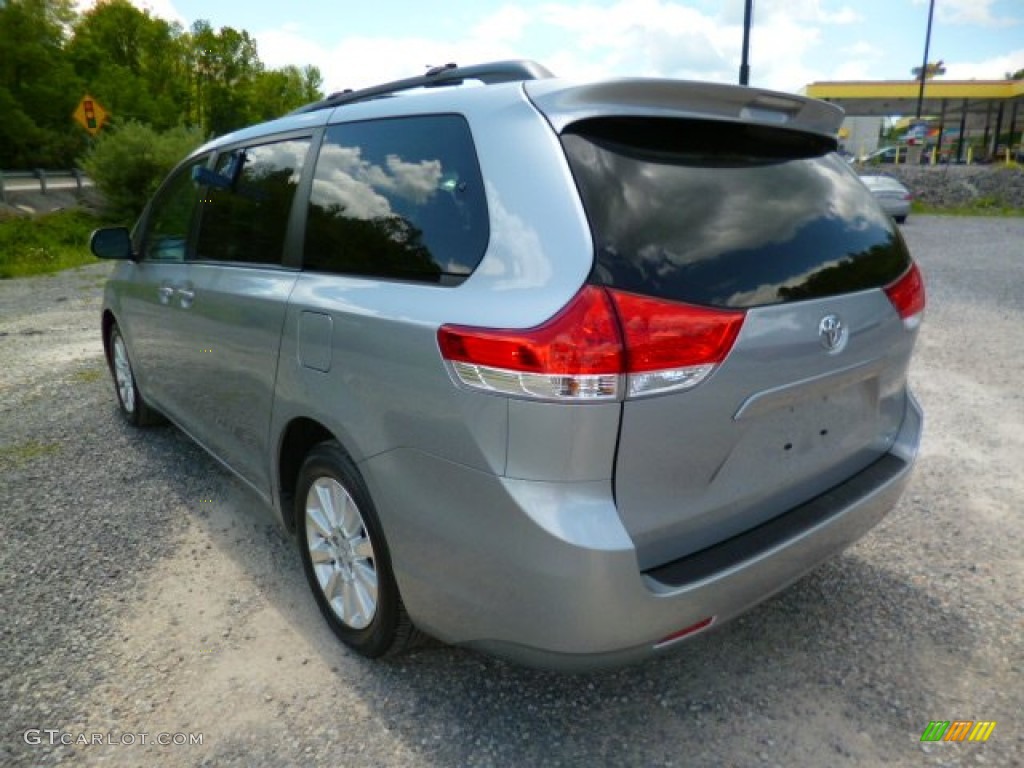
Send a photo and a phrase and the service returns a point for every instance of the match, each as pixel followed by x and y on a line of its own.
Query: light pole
pixel 748 9
pixel 924 65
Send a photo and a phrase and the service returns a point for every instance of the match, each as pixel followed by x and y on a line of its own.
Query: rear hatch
pixel 765 221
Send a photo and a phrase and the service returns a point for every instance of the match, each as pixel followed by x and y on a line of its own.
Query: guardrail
pixel 42 181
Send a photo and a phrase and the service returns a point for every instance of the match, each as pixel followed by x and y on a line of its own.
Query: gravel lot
pixel 145 591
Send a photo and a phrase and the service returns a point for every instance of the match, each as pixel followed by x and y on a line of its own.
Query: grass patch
pixel 985 206
pixel 36 245
pixel 23 453
pixel 88 375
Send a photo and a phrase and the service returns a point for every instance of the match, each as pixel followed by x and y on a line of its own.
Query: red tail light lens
pixel 583 338
pixel 662 334
pixel 603 345
pixel 908 297
pixel 671 345
pixel 576 355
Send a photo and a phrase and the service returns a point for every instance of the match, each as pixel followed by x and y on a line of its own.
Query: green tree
pixel 131 62
pixel 38 85
pixel 933 69
pixel 129 162
pixel 278 91
pixel 139 67
pixel 226 64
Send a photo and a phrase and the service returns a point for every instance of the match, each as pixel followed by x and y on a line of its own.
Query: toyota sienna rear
pixel 566 373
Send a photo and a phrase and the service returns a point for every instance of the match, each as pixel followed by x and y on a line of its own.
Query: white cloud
pixel 343 63
pixel 644 37
pixel 858 60
pixel 655 38
pixel 506 24
pixel 163 9
pixel 989 69
pixel 852 70
pixel 863 49
pixel 976 12
pixel 806 11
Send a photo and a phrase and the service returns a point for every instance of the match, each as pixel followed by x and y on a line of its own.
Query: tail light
pixel 604 345
pixel 907 295
pixel 671 346
pixel 576 355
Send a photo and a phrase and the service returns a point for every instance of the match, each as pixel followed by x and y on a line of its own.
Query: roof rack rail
pixel 511 71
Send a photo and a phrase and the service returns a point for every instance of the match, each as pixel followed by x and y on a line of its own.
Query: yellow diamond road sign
pixel 90 114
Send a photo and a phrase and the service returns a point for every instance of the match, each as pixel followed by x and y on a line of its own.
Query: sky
pixel 793 42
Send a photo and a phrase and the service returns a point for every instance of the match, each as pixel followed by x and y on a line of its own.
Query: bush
pixel 129 163
pixel 48 243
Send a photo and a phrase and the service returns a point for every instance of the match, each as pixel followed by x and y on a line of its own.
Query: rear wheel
pixel 133 407
pixel 345 556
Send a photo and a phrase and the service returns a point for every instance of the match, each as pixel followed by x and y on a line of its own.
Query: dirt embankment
pixel 946 186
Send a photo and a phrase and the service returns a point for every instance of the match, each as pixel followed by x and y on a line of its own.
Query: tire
pixel 900 219
pixel 133 407
pixel 346 558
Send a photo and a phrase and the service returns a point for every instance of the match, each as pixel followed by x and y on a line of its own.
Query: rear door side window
pixel 248 201
pixel 398 198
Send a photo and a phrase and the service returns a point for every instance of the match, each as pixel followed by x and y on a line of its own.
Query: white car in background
pixel 891 194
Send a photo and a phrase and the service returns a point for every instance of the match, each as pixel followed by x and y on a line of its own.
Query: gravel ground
pixel 144 591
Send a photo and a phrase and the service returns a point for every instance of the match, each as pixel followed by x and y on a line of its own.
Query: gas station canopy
pixel 950 100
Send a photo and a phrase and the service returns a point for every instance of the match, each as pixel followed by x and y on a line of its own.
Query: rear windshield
pixel 727 215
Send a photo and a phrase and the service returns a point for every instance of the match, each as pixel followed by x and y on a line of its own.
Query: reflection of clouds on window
pixel 677 215
pixel 416 182
pixel 521 260
pixel 245 221
pixel 347 182
pixel 271 158
pixel 731 212
pixel 342 194
pixel 398 198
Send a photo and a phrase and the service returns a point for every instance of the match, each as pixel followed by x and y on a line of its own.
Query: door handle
pixel 186 295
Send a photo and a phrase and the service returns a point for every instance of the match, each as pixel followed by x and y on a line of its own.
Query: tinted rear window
pixel 727 215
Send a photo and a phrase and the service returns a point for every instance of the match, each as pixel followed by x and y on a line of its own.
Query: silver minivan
pixel 563 372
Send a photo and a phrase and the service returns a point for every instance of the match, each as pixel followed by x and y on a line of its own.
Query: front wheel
pixel 345 556
pixel 133 407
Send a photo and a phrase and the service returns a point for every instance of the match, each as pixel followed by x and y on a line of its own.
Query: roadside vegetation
pixel 129 164
pixel 162 88
pixel 36 245
pixel 984 206
pixel 135 66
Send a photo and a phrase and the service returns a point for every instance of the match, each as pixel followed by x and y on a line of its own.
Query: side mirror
pixel 111 243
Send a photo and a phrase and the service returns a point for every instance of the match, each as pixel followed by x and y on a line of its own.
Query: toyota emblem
pixel 833 333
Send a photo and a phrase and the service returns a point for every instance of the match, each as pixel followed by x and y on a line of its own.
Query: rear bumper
pixel 896 207
pixel 545 574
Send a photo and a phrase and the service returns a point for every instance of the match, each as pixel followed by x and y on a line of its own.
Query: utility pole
pixel 924 65
pixel 748 9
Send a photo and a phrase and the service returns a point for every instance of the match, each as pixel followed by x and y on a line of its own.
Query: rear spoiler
pixel 564 103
